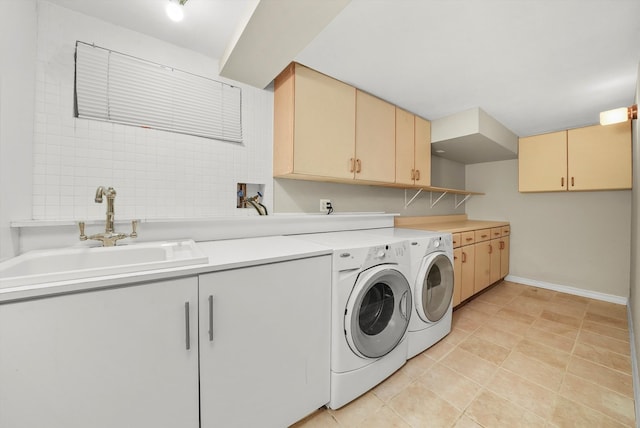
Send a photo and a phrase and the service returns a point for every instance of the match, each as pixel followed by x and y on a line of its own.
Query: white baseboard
pixel 634 363
pixel 570 290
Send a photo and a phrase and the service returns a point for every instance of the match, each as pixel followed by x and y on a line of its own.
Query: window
pixel 120 88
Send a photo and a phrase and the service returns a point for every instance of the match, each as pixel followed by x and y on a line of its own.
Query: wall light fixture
pixel 618 115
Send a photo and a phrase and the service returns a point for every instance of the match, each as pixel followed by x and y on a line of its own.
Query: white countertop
pixel 223 255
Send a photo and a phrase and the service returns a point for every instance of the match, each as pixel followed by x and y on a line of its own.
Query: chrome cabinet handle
pixel 210 318
pixel 186 323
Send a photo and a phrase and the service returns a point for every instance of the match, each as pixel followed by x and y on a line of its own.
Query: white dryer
pixel 432 285
pixel 371 304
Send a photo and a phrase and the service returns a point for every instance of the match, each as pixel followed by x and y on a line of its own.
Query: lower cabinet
pixel 482 277
pixel 236 348
pixel 492 257
pixel 481 258
pixel 264 343
pixel 457 276
pixel 504 256
pixel 463 270
pixel 468 269
pixel 102 359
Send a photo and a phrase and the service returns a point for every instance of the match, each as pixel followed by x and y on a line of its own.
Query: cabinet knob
pixel 351 164
pixel 358 166
pixel 561 181
pixel 417 174
pixel 572 182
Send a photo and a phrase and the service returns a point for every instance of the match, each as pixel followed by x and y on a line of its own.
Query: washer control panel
pixel 389 253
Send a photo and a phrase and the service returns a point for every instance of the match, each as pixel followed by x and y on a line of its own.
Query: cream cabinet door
pixel 600 157
pixel 265 343
pixel 468 272
pixel 375 139
pixel 405 147
pixel 457 276
pixel 422 151
pixel 494 251
pixel 542 163
pixel 482 275
pixel 324 130
pixel 413 149
pixel 102 359
pixel 504 256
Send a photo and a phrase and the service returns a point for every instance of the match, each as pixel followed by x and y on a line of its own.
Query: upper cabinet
pixel 600 157
pixel 375 139
pixel 542 162
pixel 314 124
pixel 326 130
pixel 590 158
pixel 413 149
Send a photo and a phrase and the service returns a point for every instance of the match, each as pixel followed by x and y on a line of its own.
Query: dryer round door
pixel 434 287
pixel 377 312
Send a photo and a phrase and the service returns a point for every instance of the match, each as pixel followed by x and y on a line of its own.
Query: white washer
pixel 432 285
pixel 371 305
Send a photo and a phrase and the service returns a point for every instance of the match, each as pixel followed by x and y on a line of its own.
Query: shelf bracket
pixel 462 201
pixel 433 203
pixel 406 204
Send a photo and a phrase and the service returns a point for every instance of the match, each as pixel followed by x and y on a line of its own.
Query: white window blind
pixel 120 88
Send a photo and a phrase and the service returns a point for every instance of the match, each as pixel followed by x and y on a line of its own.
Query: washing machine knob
pixel 436 244
pixel 380 254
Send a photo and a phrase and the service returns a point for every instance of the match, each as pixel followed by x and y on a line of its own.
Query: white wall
pixel 17 75
pixel 576 239
pixel 303 196
pixel 156 174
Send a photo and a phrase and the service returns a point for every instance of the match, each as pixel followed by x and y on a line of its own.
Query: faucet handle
pixel 83 237
pixel 134 226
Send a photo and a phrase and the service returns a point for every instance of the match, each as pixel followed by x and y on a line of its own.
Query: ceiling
pixel 534 65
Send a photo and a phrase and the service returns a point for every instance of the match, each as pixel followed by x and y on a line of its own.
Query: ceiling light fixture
pixel 618 115
pixel 175 11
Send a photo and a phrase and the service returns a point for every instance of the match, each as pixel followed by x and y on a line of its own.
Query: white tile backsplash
pixel 156 174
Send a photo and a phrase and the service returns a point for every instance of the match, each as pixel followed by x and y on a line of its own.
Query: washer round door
pixel 434 289
pixel 377 312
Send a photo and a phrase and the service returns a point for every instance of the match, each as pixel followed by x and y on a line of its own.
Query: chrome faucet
pixel 108 237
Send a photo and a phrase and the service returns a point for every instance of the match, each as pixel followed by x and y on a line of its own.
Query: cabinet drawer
pixel 456 239
pixel 482 235
pixel 496 232
pixel 467 238
pixel 506 230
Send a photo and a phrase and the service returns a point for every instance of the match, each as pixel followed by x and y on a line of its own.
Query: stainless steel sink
pixel 42 266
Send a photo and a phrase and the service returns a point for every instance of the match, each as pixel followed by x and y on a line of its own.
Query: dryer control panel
pixel 388 254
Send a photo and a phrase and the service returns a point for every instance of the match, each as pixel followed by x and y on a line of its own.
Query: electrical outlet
pixel 324 205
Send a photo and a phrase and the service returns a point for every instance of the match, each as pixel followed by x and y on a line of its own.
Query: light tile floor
pixel 517 356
